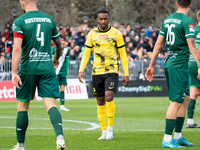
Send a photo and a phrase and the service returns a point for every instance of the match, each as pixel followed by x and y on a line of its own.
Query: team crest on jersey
pixel 198 35
pixel 191 28
pixel 103 36
pixel 33 53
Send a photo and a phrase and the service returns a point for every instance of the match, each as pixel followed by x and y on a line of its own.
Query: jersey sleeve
pixel 162 30
pixel 120 40
pixel 88 42
pixel 55 34
pixel 17 28
pixel 188 27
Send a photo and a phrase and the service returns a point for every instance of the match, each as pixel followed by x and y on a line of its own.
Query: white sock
pixel 110 128
pixel 104 131
pixel 177 135
pixel 167 137
pixel 190 121
pixel 60 137
pixel 20 145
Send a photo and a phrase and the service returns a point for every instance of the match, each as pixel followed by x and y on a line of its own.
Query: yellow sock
pixel 101 112
pixel 110 112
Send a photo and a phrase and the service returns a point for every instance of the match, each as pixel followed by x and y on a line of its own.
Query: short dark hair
pixel 184 3
pixel 63 37
pixel 102 11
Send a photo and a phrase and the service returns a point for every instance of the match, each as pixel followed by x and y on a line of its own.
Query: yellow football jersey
pixel 105 45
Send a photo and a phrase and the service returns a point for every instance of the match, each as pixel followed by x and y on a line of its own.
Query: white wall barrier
pixel 73 90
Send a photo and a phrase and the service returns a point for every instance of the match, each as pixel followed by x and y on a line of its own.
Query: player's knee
pixel 109 98
pixel 101 101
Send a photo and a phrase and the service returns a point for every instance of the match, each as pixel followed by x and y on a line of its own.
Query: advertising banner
pixel 139 88
pixel 73 90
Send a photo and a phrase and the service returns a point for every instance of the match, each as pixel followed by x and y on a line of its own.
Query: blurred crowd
pixel 139 43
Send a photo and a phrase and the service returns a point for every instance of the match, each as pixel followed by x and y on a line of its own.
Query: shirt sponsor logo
pixel 198 35
pixel 191 28
pixel 103 36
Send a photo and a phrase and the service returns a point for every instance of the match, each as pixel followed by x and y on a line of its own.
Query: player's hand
pixel 55 63
pixel 16 80
pixel 125 81
pixel 198 77
pixel 149 74
pixel 81 77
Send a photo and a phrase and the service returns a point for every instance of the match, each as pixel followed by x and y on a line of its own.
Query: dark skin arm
pixel 58 51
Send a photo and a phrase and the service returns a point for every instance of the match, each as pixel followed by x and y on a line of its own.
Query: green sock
pixel 56 120
pixel 21 125
pixel 169 126
pixel 179 124
pixel 191 108
pixel 62 98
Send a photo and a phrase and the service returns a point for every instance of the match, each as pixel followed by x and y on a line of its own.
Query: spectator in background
pixel 149 31
pixel 85 29
pixel 150 44
pixel 115 25
pixel 157 31
pixel 127 40
pixel 136 41
pixel 130 46
pixel 140 76
pixel 135 55
pixel 6 35
pixel 137 29
pixel 9 31
pixel 68 30
pixel 154 37
pixel 60 27
pixel 3 44
pixel 128 30
pixel 141 44
pixel 122 26
pixel 76 51
pixel 142 33
pixel 72 55
pixel 94 26
pixel 124 34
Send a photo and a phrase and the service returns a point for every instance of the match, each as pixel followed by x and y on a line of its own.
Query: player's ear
pixel 36 1
pixel 109 19
pixel 190 5
pixel 176 4
pixel 97 19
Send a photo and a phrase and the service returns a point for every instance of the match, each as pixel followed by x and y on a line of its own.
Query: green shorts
pixel 62 79
pixel 194 82
pixel 47 87
pixel 177 83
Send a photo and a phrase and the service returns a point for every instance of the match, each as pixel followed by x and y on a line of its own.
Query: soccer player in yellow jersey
pixel 106 41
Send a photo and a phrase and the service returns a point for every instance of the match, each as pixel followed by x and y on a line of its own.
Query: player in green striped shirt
pixel 62 71
pixel 194 82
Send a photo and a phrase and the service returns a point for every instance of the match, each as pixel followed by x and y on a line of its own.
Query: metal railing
pixel 135 66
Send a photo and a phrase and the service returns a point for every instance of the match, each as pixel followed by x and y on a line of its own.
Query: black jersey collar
pixel 106 30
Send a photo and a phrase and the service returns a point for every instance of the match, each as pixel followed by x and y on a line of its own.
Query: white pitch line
pixel 94 125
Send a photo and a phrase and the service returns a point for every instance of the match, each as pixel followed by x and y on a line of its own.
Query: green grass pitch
pixel 139 124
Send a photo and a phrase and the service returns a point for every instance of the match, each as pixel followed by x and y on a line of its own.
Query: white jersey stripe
pixel 56 35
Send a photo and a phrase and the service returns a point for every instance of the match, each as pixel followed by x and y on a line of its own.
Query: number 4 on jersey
pixel 38 35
